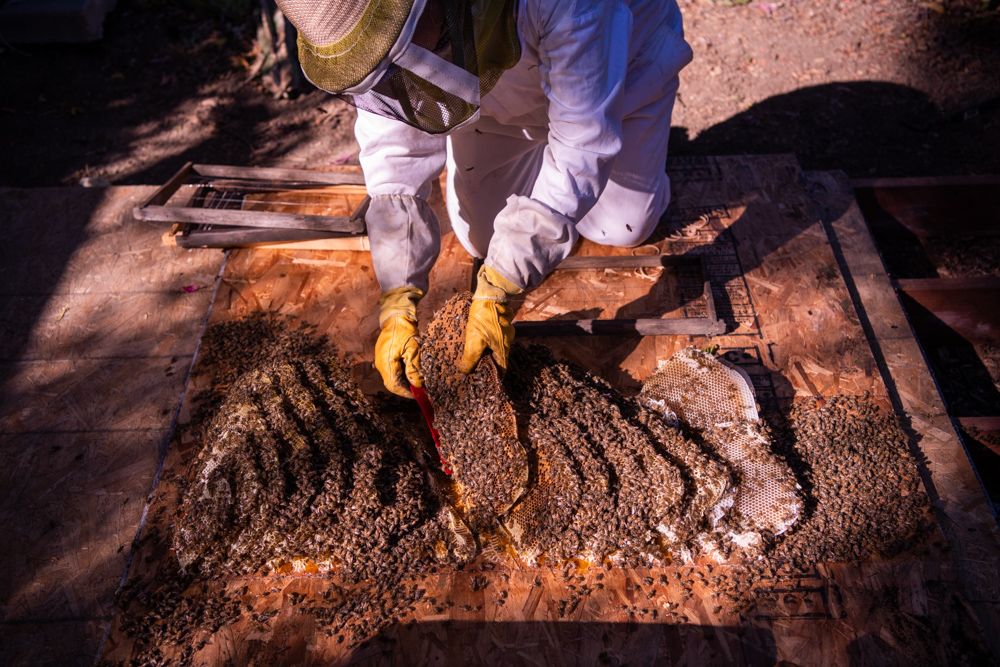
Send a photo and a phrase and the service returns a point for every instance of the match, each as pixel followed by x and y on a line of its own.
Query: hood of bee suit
pixel 365 52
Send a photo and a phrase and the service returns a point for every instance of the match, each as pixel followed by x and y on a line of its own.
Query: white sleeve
pixel 397 159
pixel 399 163
pixel 583 59
pixel 582 62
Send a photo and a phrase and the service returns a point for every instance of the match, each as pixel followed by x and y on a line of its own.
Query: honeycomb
pixel 475 421
pixel 715 401
pixel 614 482
pixel 568 466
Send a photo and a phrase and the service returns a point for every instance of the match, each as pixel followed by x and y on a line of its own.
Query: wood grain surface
pixel 793 324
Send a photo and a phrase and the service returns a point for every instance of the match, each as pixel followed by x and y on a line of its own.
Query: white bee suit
pixel 571 141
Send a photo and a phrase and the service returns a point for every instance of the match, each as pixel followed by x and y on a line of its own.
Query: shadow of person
pixel 864 128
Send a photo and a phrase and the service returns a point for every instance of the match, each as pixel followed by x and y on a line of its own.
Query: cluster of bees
pixel 604 478
pixel 170 619
pixel 615 483
pixel 611 480
pixel 297 466
pixel 351 616
pixel 229 350
pixel 296 471
pixel 863 495
pixel 862 482
pixel 476 422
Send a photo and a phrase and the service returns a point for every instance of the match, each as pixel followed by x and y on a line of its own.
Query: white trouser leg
pixel 624 217
pixel 638 191
pixel 484 169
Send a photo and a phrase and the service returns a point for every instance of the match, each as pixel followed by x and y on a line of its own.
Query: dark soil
pixel 838 82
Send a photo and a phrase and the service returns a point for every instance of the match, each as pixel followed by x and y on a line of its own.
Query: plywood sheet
pixel 792 325
pixel 98 335
pixel 963 509
pixel 46 226
pixel 85 325
pixel 70 508
pixel 90 394
pixel 656 293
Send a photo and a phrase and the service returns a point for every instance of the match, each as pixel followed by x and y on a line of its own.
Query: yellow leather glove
pixel 397 352
pixel 489 321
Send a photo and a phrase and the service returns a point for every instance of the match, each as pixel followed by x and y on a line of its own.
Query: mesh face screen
pixel 479 37
pixel 498 47
pixel 404 96
pixel 459 39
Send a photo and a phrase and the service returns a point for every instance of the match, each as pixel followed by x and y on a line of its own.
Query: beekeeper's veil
pixel 364 52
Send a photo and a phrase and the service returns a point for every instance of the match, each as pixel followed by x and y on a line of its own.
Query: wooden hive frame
pixel 218 214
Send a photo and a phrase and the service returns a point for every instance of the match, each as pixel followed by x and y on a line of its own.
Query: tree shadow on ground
pixel 167 84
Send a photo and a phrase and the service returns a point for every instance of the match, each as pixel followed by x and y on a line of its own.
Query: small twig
pixel 238 136
pixel 12 47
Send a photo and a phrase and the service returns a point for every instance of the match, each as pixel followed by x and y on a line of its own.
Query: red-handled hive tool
pixel 428 410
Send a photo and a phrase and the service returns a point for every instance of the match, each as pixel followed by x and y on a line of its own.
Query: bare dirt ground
pixel 838 82
pixel 841 82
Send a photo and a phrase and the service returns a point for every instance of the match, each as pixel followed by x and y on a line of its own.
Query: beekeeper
pixel 551 115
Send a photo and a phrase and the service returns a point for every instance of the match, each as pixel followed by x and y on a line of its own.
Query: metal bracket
pixel 710 325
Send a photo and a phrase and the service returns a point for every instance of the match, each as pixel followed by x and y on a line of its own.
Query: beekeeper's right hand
pixel 490 325
pixel 397 351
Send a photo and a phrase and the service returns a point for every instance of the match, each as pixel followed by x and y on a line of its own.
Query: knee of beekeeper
pixel 625 217
pixel 473 226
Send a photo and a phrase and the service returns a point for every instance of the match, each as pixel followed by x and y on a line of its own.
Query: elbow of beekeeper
pixel 552 117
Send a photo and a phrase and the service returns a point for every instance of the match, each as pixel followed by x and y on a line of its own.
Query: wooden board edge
pixel 964 512
pixel 165 191
pixel 280 174
pixel 925 181
pixel 352 243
